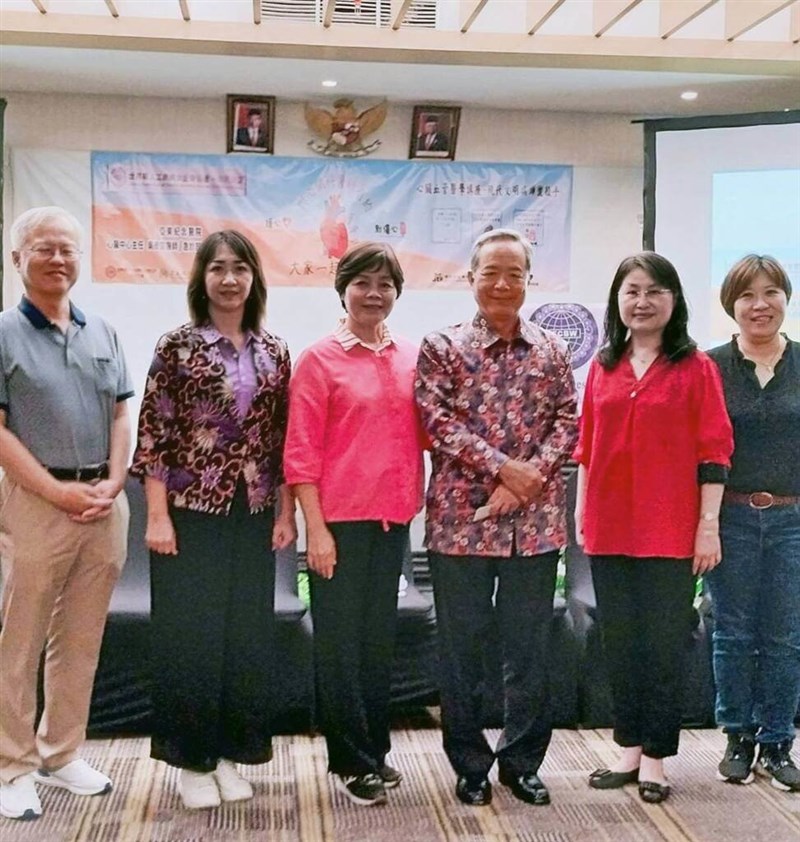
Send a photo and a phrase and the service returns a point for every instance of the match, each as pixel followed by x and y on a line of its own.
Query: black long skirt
pixel 212 632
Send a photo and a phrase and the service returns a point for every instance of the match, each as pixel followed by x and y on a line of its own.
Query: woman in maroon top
pixel 653 454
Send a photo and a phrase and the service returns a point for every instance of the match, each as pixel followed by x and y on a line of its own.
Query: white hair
pixel 500 234
pixel 26 223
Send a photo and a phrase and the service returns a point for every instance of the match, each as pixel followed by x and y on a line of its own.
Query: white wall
pixel 198 125
pixel 606 152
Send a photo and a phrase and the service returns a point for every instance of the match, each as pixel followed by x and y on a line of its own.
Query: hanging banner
pixel 150 213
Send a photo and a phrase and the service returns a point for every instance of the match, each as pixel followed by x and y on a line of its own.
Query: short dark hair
pixel 676 341
pixel 367 257
pixel 256 304
pixel 744 271
pixel 431 118
pixel 254 112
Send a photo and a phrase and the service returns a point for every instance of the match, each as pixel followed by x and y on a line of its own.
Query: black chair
pixel 594 691
pixel 121 696
pixel 416 662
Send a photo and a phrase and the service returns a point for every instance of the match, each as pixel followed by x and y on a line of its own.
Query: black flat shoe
pixel 653 793
pixel 606 779
pixel 527 787
pixel 474 792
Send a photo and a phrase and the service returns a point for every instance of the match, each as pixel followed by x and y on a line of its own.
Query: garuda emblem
pixel 342 131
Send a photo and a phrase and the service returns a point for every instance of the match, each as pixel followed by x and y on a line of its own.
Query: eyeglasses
pixel 49 252
pixel 654 294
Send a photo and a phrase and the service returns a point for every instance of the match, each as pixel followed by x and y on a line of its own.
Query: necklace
pixel 771 363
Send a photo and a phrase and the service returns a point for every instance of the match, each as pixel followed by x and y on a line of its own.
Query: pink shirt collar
pixel 347 339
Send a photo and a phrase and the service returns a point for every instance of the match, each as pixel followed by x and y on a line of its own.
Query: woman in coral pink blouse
pixel 654 450
pixel 211 434
pixel 353 458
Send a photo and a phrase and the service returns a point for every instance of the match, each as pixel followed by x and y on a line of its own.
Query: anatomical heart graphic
pixel 333 230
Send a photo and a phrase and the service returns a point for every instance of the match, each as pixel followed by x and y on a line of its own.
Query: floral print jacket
pixel 190 434
pixel 484 400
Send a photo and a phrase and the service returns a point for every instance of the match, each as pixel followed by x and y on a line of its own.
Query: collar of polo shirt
pixel 38 319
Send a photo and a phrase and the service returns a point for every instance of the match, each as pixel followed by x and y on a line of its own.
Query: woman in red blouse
pixel 210 453
pixel 654 449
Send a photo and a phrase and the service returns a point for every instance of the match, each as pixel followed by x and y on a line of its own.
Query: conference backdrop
pixel 150 212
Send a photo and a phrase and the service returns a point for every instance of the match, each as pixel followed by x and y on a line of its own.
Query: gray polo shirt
pixel 59 391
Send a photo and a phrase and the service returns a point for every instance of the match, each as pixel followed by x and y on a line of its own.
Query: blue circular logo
pixel 574 324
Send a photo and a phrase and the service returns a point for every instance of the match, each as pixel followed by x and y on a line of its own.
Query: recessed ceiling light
pixel 689 96
pixel 329 83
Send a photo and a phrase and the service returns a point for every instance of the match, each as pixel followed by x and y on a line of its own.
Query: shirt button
pixel 633 393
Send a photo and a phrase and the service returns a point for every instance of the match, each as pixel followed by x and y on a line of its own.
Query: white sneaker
pixel 78 777
pixel 198 790
pixel 232 786
pixel 18 799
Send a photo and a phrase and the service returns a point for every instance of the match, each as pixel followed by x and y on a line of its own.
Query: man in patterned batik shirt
pixel 497 398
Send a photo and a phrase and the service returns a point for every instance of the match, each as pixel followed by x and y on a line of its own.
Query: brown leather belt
pixel 759 499
pixel 88 474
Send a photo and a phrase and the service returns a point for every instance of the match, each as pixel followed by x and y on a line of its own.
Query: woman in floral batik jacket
pixel 210 446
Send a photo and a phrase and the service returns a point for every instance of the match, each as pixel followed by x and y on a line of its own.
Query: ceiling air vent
pixel 421 15
pixel 363 12
pixel 298 11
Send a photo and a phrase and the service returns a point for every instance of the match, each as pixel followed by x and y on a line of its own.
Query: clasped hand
pixel 520 484
pixel 86 502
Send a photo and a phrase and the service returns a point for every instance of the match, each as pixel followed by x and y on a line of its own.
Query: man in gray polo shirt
pixel 64 446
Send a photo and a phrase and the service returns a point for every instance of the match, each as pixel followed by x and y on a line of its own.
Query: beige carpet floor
pixel 295 801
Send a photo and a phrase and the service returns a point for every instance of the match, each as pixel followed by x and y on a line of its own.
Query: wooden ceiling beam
pixel 399 10
pixel 539 12
pixel 327 13
pixel 408 45
pixel 675 14
pixel 606 13
pixel 742 15
pixel 795 30
pixel 470 9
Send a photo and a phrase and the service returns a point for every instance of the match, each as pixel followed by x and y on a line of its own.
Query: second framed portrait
pixel 251 123
pixel 434 132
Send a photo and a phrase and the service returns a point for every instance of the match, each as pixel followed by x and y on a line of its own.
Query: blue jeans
pixel 756 594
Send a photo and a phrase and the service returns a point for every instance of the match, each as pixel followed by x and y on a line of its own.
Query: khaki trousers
pixel 58 577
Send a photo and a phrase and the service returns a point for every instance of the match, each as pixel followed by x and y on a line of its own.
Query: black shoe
pixel 390 777
pixel 366 790
pixel 736 767
pixel 775 762
pixel 652 792
pixel 527 787
pixel 606 779
pixel 475 792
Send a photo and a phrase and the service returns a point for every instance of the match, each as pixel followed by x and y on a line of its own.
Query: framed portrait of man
pixel 434 132
pixel 251 124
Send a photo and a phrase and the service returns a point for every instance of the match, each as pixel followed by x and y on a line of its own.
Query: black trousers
pixel 645 610
pixel 212 630
pixel 355 616
pixel 463 590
